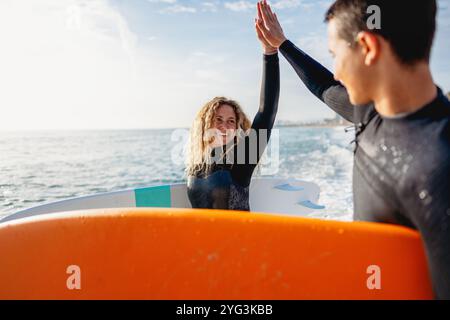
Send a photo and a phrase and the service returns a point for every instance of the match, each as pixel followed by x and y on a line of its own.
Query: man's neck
pixel 405 90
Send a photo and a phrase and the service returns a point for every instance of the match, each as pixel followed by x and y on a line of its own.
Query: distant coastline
pixel 337 121
pixel 312 126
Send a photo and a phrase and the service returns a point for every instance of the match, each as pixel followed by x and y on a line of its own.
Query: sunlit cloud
pixel 178 8
pixel 209 6
pixel 163 1
pixel 239 5
pixel 286 4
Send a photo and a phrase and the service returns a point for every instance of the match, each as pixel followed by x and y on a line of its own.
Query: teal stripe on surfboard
pixel 153 197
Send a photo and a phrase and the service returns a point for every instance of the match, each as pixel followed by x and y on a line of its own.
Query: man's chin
pixel 358 100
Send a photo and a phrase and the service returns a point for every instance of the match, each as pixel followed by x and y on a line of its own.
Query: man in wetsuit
pixel 383 84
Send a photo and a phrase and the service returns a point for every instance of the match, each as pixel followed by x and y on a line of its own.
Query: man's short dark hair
pixel 408 26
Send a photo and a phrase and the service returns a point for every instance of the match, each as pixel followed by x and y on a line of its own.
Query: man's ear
pixel 370 47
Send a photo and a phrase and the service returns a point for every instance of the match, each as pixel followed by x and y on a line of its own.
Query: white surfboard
pixel 270 195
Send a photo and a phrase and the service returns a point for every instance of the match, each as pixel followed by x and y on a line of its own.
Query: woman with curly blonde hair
pixel 224 147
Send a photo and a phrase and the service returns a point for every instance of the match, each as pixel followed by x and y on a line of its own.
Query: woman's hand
pixel 267 48
pixel 268 26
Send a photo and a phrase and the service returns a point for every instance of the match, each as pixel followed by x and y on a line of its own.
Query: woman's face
pixel 225 125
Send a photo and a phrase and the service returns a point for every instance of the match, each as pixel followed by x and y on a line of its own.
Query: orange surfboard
pixel 158 253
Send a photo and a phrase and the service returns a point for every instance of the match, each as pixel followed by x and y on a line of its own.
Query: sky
pixel 133 64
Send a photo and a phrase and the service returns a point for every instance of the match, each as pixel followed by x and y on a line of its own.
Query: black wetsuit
pixel 226 186
pixel 401 171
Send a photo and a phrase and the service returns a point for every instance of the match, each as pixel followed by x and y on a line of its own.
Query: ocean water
pixel 41 167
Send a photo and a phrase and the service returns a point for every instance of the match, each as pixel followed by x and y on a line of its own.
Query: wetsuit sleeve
pixel 319 80
pixel 431 210
pixel 256 141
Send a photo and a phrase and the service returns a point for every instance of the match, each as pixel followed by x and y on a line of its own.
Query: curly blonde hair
pixel 199 146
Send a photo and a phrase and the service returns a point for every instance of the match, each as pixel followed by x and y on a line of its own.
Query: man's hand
pixel 268 26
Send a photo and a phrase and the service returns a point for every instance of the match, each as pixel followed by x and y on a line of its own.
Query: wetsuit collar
pixel 425 111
